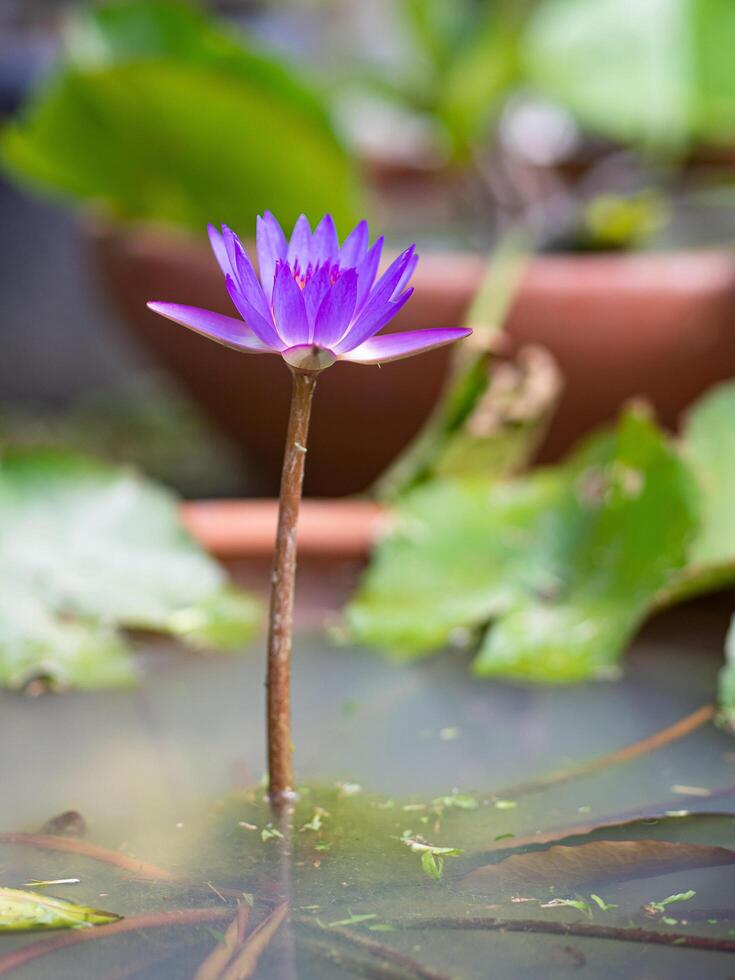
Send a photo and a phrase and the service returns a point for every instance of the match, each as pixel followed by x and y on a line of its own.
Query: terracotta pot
pixel 331 529
pixel 660 326
pixel 334 536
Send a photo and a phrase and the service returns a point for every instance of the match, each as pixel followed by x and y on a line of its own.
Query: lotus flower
pixel 315 302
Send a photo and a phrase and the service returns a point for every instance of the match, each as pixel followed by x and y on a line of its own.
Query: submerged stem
pixel 280 623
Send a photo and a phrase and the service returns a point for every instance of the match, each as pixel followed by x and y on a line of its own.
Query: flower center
pixel 303 276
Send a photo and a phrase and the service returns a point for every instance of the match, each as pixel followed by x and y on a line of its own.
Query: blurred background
pixel 602 130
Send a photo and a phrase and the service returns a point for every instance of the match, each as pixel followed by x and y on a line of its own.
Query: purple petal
pixel 355 246
pixel 324 242
pixel 220 252
pixel 393 346
pixel 233 247
pixel 336 310
pixel 289 309
pixel 380 298
pixel 249 284
pixel 314 292
pixel 406 277
pixel 261 327
pixel 271 246
pixel 299 247
pixel 224 329
pixel 367 269
pixel 370 325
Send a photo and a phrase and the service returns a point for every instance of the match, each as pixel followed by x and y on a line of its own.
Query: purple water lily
pixel 316 302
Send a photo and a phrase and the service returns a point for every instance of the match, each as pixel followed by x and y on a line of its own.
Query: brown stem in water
pixel 154 920
pixel 651 743
pixel 245 961
pixel 280 623
pixel 368 965
pixel 136 867
pixel 582 929
pixel 211 968
pixel 398 960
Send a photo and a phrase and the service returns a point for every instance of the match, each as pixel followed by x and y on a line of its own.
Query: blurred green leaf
pixel 28 912
pixel 707 443
pixel 160 116
pixel 726 683
pixel 86 549
pixel 567 560
pixel 462 59
pixel 659 73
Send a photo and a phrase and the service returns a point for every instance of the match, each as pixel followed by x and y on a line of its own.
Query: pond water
pixel 392 759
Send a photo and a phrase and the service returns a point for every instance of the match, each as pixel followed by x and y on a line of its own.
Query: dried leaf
pixel 568 867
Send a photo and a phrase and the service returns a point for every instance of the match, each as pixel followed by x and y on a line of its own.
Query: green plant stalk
pixel 469 372
pixel 280 619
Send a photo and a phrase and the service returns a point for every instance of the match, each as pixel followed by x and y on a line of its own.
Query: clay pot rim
pixel 328 528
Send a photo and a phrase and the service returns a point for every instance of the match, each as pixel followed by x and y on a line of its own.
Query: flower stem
pixel 280 623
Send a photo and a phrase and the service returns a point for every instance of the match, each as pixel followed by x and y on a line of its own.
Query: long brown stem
pixel 280 776
pixel 685 726
pixel 685 940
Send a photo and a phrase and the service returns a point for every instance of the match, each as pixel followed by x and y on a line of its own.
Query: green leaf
pixel 566 560
pixel 87 548
pixel 655 72
pixel 602 904
pixel 160 116
pixel 27 912
pixel 432 865
pixel 672 900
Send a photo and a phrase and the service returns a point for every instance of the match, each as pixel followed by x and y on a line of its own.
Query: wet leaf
pixel 87 549
pixel 567 868
pixel 27 912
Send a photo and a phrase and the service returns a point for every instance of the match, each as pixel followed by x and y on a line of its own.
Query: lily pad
pixel 22 911
pixel 86 549
pixel 567 560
